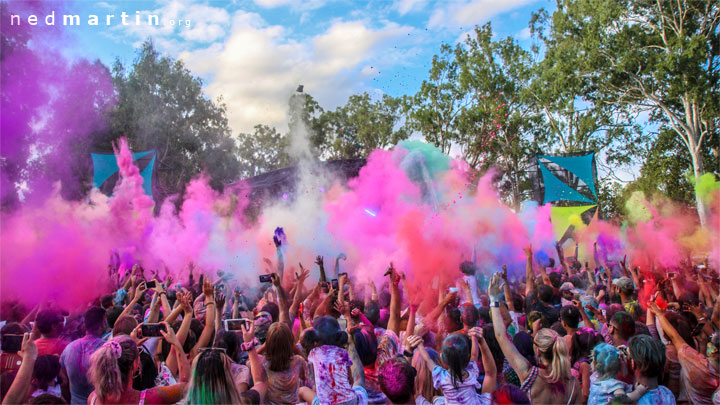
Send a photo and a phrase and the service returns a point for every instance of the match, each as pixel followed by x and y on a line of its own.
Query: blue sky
pixel 253 53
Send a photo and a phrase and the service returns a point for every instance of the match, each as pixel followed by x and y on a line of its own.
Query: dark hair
pixel 484 316
pixel 534 316
pixel 469 315
pixel 555 278
pixel 396 378
pixel 366 345
pixel 329 332
pixel 641 329
pixel 113 314
pixel 682 326
pixel 570 315
pixel 508 394
pixel 583 341
pixel 454 323
pixel 372 312
pixel 625 324
pixel 279 346
pixel 523 342
pixel 272 309
pixel 229 341
pixel 648 354
pixel 106 301
pixel 47 319
pixel 94 319
pixel 124 325
pixel 359 304
pixel 308 340
pixel 456 355
pixel 518 303
pixel 468 267
pixel 612 309
pixel 545 293
pixel 47 368
pixel 558 328
pixel 494 346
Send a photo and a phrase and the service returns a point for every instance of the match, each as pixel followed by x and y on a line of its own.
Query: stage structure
pixel 569 183
pixel 106 171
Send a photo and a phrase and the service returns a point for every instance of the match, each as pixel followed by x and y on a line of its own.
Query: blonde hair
pixel 111 366
pixel 554 350
pixel 423 379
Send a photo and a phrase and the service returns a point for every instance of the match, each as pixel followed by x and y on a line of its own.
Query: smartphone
pixel 343 323
pixel 452 289
pixel 11 343
pixel 672 276
pixel 236 324
pixel 266 278
pixel 335 283
pixel 152 329
pixel 150 284
pixel 695 331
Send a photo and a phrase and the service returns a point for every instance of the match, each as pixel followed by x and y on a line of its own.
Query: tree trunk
pixel 699 170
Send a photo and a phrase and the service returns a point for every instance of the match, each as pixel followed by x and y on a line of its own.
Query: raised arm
pixel 139 291
pixel 336 269
pixel 561 258
pixel 667 327
pixel 207 331
pixel 488 361
pixel 282 300
pixel 506 290
pixel 394 321
pixel 280 270
pixel 319 262
pixel 256 368
pixel 516 360
pixel 529 274
pixel 297 296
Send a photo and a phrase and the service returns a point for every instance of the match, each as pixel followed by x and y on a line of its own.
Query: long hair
pixel 111 366
pixel 423 381
pixel 456 355
pixel 279 346
pixel 554 350
pixel 583 341
pixel 212 380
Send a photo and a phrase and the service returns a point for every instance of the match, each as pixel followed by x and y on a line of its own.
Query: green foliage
pixel 161 106
pixel 359 127
pixel 262 151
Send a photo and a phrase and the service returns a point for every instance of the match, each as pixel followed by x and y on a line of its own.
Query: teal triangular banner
pixel 105 165
pixel 556 190
pixel 580 166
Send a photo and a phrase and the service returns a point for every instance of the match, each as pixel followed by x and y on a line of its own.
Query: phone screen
pixel 343 323
pixel 266 278
pixel 150 284
pixel 236 324
pixel 152 329
pixel 335 283
pixel 11 343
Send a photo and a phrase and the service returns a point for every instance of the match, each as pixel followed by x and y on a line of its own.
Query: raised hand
pixel 220 301
pixel 140 290
pixel 413 341
pixel 248 334
pixel 342 307
pixel 169 335
pixel 208 289
pixel 528 250
pixel 504 272
pixel 136 335
pixel 319 261
pixel 28 349
pixel 494 287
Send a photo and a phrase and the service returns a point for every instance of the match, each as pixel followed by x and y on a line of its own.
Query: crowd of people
pixel 565 334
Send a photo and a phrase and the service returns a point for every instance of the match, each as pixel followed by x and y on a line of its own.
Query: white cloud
pixel 523 34
pixel 470 12
pixel 259 66
pixel 406 6
pixel 293 4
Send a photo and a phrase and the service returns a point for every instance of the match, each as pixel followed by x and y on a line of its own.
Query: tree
pixel 262 151
pixel 161 106
pixel 433 111
pixel 660 57
pixel 360 126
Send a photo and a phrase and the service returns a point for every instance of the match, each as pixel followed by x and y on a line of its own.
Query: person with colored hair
pixel 604 386
pixel 647 356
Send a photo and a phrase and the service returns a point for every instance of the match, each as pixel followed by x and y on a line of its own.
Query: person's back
pixel 285 371
pixel 50 324
pixel 75 359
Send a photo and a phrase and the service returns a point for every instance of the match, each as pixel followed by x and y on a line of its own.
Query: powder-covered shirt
pixel 659 396
pixel 330 366
pixel 282 386
pixel 698 377
pixel 466 390
pixel 602 391
pixel 50 346
pixel 76 361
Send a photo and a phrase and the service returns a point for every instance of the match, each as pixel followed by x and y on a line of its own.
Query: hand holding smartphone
pixel 236 324
pixel 152 329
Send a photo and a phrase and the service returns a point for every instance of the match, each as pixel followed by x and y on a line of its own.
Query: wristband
pixel 407 353
pixel 210 303
pixel 495 304
pixel 249 345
